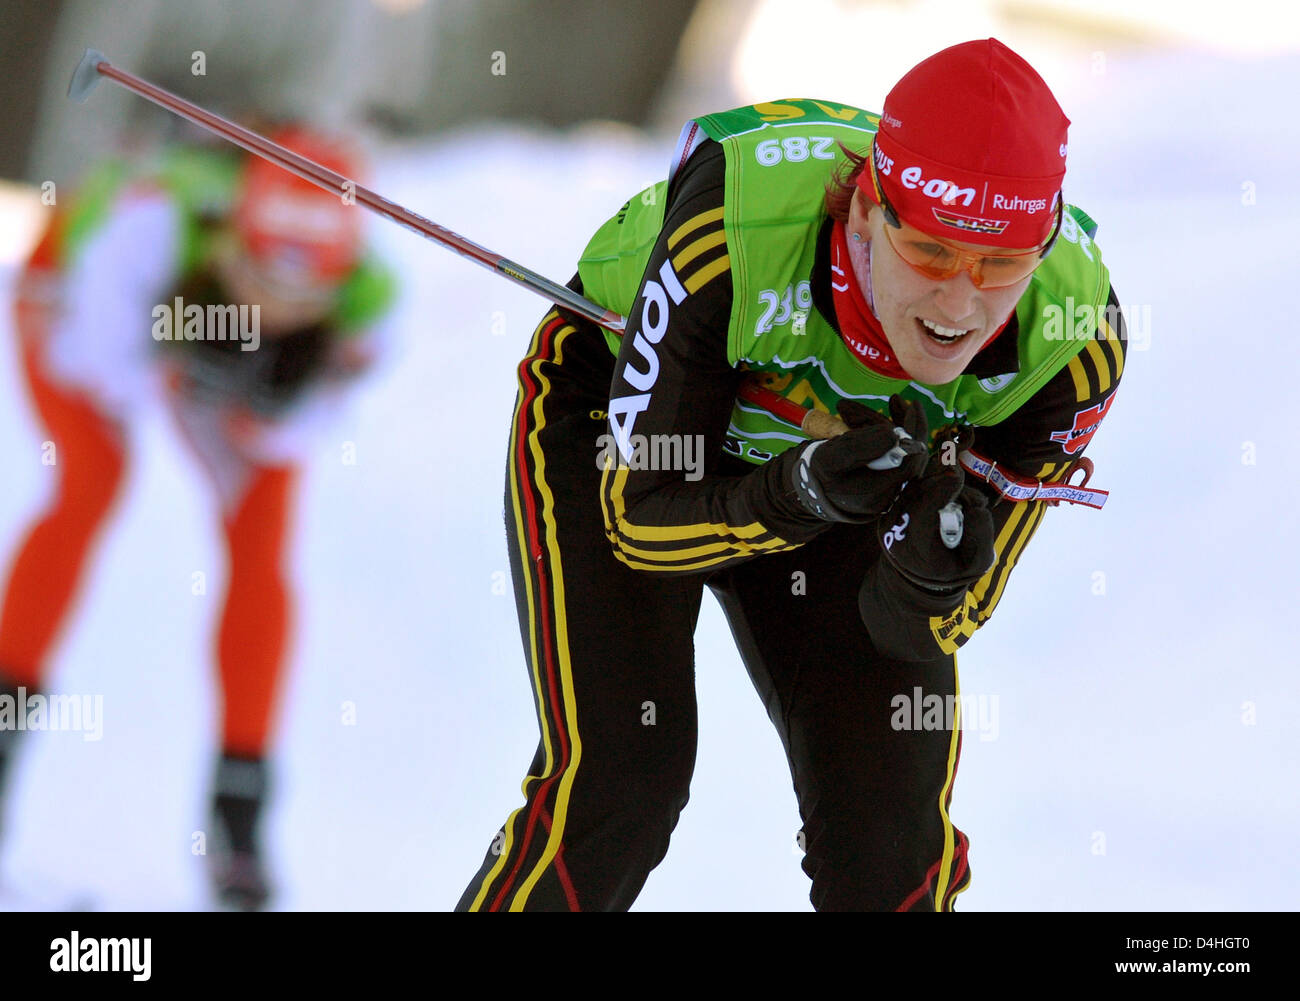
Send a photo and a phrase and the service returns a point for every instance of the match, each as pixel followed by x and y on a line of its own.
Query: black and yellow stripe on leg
pixel 534 833
pixel 950 874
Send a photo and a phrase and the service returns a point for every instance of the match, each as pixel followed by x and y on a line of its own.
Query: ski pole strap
pixel 1019 488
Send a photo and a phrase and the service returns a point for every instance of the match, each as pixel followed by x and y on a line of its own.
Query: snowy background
pixel 1144 755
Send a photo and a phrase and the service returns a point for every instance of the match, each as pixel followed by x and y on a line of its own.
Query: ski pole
pixel 95 64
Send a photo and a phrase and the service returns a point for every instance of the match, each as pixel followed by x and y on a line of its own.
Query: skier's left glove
pixel 938 534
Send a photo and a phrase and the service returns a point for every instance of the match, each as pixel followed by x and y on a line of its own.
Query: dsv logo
pixel 897 533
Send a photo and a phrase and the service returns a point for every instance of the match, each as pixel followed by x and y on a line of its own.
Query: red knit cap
pixel 292 226
pixel 971 147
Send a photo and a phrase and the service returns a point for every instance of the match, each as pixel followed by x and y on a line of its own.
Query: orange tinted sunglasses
pixel 939 260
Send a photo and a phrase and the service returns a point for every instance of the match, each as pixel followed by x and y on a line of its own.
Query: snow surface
pixel 1122 775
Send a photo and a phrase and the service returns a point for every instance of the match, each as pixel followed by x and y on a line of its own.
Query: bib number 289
pixel 794 149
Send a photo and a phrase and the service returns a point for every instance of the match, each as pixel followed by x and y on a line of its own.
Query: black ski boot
pixel 236 868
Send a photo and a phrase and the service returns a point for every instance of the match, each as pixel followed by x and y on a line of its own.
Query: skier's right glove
pixel 856 476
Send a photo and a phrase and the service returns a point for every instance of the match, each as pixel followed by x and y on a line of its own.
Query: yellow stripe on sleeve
pixel 1000 545
pixel 661 533
pixel 1116 349
pixel 1080 377
pixel 720 542
pixel 1017 530
pixel 692 224
pixel 710 271
pixel 1098 356
pixel 697 565
pixel 1008 564
pixel 689 552
pixel 694 250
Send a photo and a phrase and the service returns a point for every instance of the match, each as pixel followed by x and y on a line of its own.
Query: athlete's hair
pixel 843 184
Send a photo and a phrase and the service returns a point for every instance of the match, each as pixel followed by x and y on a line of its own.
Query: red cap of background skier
pixel 971 147
pixel 295 230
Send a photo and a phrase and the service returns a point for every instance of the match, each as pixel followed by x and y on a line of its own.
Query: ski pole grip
pixel 817 424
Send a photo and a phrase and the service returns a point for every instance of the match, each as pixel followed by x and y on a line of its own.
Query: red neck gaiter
pixel 860 329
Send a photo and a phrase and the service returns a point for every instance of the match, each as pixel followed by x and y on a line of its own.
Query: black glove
pixel 855 476
pixel 938 534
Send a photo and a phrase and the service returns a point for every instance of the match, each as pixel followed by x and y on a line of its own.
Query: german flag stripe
pixel 949 874
pixel 752 533
pixel 559 672
pixel 1116 334
pixel 1015 532
pixel 1115 344
pixel 669 566
pixel 1011 541
pixel 697 247
pixel 534 510
pixel 1053 472
pixel 696 552
pixel 943 882
pixel 960 872
pixel 692 224
pixel 1007 562
pixel 706 274
pixel 1000 545
pixel 1100 362
pixel 703 255
pixel 1099 365
pixel 518 468
pixel 677 548
pixel 612 490
pixel 1080 377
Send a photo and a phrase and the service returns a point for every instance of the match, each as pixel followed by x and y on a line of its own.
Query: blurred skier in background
pixel 141 280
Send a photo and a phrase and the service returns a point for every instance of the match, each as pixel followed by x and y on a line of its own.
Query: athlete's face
pixel 906 300
pixel 282 308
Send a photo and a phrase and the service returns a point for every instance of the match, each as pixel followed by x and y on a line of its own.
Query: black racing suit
pixel 608 585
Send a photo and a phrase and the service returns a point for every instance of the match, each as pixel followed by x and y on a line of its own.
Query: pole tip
pixel 86 75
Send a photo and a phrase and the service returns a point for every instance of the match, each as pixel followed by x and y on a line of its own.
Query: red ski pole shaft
pixel 94 65
pixel 814 423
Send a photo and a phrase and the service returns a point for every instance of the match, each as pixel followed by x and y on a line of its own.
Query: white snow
pixel 1123 775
